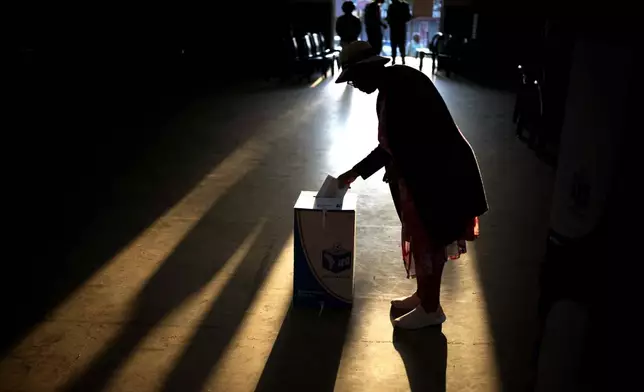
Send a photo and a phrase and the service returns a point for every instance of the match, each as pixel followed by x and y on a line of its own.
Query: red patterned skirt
pixel 419 253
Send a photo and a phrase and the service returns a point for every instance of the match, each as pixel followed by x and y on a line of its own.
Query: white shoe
pixel 406 303
pixel 419 318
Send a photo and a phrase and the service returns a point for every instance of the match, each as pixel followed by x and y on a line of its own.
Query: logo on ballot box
pixel 336 259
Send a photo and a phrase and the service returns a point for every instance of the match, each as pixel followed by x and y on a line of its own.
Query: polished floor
pixel 199 298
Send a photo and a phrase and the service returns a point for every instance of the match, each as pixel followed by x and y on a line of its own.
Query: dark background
pixel 90 86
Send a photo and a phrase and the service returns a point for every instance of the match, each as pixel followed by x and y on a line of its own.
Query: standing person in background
pixel 374 25
pixel 397 16
pixel 348 26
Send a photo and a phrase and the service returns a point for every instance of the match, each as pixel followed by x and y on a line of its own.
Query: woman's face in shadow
pixel 366 80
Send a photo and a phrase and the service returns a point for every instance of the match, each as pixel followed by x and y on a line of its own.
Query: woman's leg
pixel 429 311
pixel 406 303
pixel 429 287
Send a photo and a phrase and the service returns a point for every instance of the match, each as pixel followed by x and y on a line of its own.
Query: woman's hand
pixel 345 179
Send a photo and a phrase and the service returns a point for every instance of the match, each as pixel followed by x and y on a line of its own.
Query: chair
pixel 432 50
pixel 312 54
pixel 325 46
pixel 334 54
pixel 521 80
pixel 528 111
pixel 298 62
pixel 315 44
pixel 448 53
pixel 320 50
pixel 422 52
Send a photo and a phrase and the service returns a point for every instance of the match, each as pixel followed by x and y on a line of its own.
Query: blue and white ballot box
pixel 324 240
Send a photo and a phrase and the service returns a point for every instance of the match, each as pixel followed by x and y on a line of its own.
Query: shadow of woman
pixel 306 354
pixel 424 353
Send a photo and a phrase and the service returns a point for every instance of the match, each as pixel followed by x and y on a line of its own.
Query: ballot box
pixel 324 241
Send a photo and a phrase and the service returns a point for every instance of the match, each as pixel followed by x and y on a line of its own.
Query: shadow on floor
pixel 509 286
pixel 306 355
pixel 506 257
pixel 91 202
pixel 237 221
pixel 244 224
pixel 424 353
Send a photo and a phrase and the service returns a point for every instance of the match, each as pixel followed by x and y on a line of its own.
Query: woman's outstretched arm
pixel 373 162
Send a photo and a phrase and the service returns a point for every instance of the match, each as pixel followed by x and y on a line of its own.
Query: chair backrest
pixel 433 44
pixel 531 101
pixel 317 49
pixel 308 47
pixel 295 49
pixel 322 42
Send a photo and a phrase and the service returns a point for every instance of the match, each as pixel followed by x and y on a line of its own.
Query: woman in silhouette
pixel 432 173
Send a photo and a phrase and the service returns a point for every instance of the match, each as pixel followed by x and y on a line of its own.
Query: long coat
pixel 429 152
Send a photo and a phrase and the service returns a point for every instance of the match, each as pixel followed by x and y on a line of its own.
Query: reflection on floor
pixel 200 300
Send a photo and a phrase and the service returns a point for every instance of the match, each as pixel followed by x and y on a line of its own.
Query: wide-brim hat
pixel 356 55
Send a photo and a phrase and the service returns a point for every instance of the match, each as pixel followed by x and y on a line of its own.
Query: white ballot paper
pixel 330 196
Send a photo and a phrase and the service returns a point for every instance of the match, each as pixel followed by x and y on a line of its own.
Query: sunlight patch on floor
pixel 370 360
pixel 110 295
pixel 132 267
pixel 251 345
pixel 63 346
pixel 317 82
pixel 471 356
pixel 119 281
pixel 190 312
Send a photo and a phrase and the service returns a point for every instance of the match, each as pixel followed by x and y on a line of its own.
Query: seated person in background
pixel 348 26
pixel 414 45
